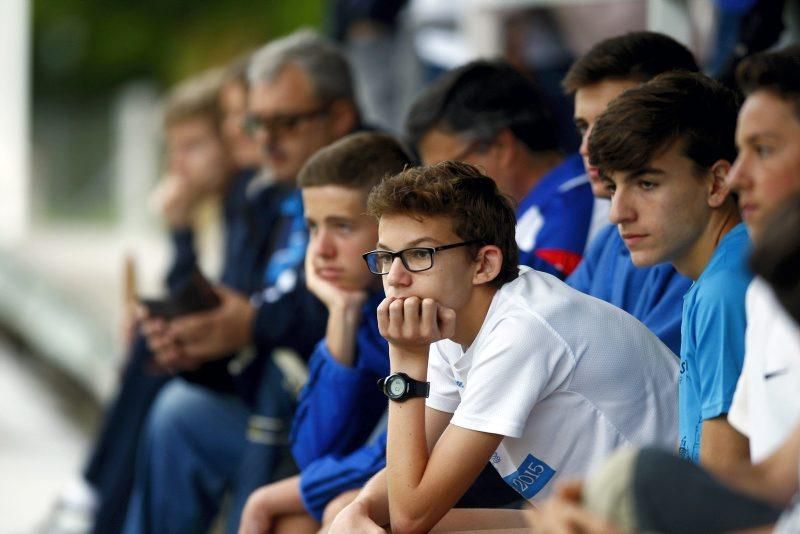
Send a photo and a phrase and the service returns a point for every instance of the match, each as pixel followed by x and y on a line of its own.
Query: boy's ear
pixel 489 263
pixel 718 188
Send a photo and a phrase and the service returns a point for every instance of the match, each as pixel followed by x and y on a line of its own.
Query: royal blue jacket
pixel 338 410
pixel 553 219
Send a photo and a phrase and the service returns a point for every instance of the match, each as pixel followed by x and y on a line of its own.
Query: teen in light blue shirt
pixel 712 346
pixel 664 150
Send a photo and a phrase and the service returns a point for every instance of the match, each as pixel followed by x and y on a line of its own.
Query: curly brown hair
pixel 460 192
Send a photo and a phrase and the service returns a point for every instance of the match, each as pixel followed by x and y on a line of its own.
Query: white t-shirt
pixel 766 405
pixel 565 377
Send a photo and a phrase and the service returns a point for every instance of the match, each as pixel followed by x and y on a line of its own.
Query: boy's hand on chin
pixel 413 323
pixel 332 296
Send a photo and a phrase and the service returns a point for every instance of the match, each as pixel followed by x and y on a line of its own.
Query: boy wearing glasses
pixel 518 369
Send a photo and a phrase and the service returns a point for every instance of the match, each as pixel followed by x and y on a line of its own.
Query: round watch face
pixel 396 386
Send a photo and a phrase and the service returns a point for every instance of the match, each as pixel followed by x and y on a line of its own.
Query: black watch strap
pixel 400 387
pixel 418 389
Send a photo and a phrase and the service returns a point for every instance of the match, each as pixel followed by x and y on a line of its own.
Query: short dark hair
pixel 778 72
pixel 776 255
pixel 678 106
pixel 460 192
pixel 480 99
pixel 356 161
pixel 638 56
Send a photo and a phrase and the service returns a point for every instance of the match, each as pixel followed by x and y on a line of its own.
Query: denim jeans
pixel 200 444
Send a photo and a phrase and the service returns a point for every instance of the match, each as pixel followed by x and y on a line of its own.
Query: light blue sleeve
pixel 719 329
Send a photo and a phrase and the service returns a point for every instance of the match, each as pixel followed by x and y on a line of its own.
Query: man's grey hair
pixel 322 61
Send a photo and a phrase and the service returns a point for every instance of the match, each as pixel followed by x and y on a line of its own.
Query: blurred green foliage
pixel 85 51
pixel 89 47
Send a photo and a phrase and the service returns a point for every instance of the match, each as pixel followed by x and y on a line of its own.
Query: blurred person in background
pixel 654 294
pixel 200 164
pixel 229 433
pixel 488 114
pixel 746 27
pixel 243 150
pixel 729 15
pixel 374 36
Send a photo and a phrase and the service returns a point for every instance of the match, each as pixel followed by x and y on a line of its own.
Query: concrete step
pixel 46 423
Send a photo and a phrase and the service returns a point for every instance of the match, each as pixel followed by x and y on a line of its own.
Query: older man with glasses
pixel 230 432
pixel 488 114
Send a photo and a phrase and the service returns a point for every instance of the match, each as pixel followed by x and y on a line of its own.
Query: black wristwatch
pixel 400 387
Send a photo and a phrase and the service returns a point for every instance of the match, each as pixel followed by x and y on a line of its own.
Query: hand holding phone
pixel 195 295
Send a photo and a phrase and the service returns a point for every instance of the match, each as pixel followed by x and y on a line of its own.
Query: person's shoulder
pixel 726 281
pixel 759 297
pixel 570 170
pixel 731 253
pixel 526 294
pixel 610 243
pixel 539 298
pixel 721 288
pixel 727 271
pixel 608 235
pixel 569 181
pixel 526 317
pixel 567 178
pixel 717 299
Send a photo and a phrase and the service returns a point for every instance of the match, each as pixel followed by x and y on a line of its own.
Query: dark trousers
pixel 671 494
pixel 110 468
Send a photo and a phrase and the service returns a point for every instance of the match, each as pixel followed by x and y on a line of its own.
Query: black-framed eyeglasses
pixel 415 259
pixel 280 124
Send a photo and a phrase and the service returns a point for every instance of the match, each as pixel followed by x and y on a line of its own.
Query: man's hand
pixel 175 199
pixel 355 518
pixel 562 513
pixel 164 346
pixel 185 343
pixel 344 313
pixel 412 324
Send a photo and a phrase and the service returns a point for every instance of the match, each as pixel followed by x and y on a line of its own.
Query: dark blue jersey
pixel 553 219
